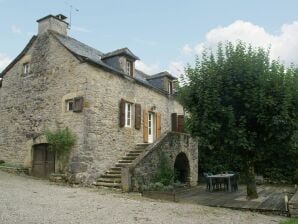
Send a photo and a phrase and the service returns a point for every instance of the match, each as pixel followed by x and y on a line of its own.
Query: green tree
pixel 240 102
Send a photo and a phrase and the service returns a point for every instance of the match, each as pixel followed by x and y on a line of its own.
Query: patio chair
pixel 234 182
pixel 208 185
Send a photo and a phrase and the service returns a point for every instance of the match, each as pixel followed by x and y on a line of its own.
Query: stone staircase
pixel 112 177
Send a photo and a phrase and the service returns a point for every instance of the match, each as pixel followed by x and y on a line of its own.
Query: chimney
pixel 55 23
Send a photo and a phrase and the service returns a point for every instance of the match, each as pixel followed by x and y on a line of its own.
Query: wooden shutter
pixel 174 121
pixel 145 126
pixel 122 113
pixel 158 125
pixel 138 116
pixel 180 123
pixel 78 103
pixel 1 80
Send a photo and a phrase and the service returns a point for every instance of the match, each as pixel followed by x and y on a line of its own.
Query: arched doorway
pixel 181 168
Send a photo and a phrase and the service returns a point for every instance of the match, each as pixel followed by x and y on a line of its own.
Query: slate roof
pixel 122 51
pixel 162 74
pixel 90 55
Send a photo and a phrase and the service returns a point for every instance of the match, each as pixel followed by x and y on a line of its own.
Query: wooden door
pixel 43 161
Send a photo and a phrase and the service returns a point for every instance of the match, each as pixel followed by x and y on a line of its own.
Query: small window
pixel 69 105
pixel 26 68
pixel 1 80
pixel 128 108
pixel 170 87
pixel 129 67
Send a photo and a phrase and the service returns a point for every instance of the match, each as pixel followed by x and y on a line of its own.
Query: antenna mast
pixel 71 7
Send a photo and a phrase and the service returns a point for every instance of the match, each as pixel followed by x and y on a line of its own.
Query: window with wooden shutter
pixel 138 116
pixel 122 113
pixel 78 103
pixel 174 121
pixel 145 126
pixel 180 123
pixel 158 125
pixel 1 80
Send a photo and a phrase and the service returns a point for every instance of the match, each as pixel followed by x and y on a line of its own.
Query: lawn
pixel 290 221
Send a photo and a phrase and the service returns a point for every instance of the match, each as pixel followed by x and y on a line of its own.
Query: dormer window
pixel 26 68
pixel 129 68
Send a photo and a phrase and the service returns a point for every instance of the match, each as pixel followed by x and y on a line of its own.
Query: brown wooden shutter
pixel 78 103
pixel 174 121
pixel 138 116
pixel 122 113
pixel 158 125
pixel 145 126
pixel 180 123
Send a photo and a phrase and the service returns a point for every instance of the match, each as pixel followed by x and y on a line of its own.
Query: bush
pixel 60 141
pixel 166 174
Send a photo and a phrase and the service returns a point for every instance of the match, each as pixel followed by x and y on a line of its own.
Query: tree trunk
pixel 251 187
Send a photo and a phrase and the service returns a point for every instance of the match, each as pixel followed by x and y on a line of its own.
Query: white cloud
pixel 284 45
pixel 4 61
pixel 148 68
pixel 186 50
pixel 176 68
pixel 16 29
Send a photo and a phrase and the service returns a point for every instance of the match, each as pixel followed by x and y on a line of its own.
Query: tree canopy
pixel 241 103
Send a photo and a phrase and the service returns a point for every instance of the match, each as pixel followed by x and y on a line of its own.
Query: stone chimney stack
pixel 55 23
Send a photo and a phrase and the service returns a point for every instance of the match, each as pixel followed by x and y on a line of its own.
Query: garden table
pixel 218 177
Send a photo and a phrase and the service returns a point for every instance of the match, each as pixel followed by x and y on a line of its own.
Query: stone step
pixel 115 169
pixel 111 185
pixel 136 151
pixel 125 161
pixel 129 158
pixel 109 180
pixel 122 164
pixel 133 154
pixel 111 175
pixel 113 172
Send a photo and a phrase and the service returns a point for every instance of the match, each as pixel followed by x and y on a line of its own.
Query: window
pixel 26 68
pixel 1 82
pixel 129 67
pixel 170 87
pixel 69 105
pixel 128 107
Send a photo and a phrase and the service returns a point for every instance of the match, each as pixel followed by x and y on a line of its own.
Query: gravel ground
pixel 28 200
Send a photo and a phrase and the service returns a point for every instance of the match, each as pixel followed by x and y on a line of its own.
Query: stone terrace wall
pixel 147 165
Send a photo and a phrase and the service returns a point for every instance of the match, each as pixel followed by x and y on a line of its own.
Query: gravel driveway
pixel 27 200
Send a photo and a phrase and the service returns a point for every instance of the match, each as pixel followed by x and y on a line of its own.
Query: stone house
pixel 120 116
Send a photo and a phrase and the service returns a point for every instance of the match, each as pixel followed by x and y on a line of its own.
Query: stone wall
pixel 293 205
pixel 145 168
pixel 30 104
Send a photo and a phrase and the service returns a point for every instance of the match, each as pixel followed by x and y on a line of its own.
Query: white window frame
pixel 128 113
pixel 67 107
pixel 170 87
pixel 26 68
pixel 128 67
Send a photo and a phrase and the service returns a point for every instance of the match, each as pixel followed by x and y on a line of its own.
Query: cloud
pixel 148 68
pixel 176 68
pixel 186 50
pixel 283 45
pixel 4 61
pixel 80 29
pixel 15 29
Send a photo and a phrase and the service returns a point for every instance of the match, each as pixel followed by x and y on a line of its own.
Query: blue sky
pixel 164 34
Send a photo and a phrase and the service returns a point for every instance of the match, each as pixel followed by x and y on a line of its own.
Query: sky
pixel 165 34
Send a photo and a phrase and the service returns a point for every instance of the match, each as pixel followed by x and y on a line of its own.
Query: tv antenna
pixel 71 8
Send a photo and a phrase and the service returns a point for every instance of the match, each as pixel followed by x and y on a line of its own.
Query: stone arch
pixel 182 168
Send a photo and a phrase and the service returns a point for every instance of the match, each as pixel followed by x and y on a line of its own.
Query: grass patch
pixel 290 221
pixel 10 165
